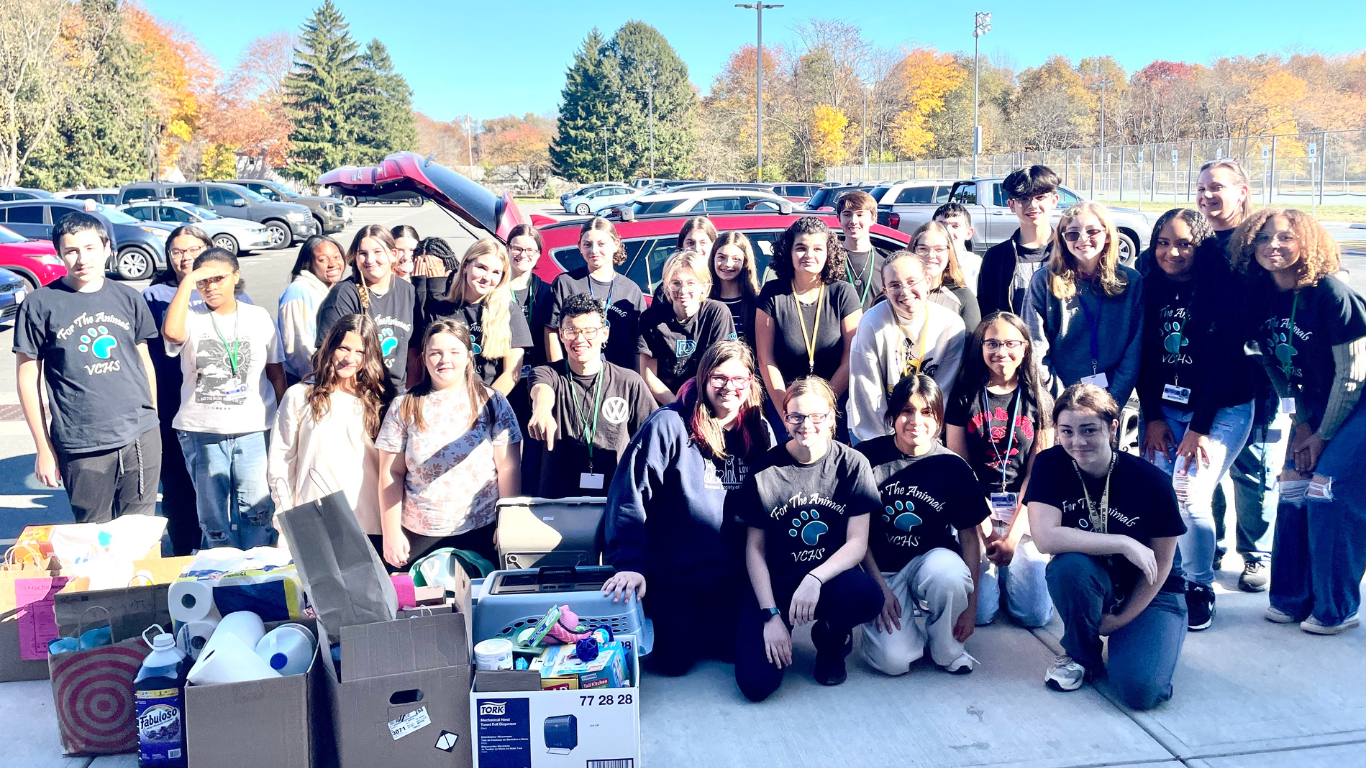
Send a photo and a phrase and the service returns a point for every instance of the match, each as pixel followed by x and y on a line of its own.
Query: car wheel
pixel 133 263
pixel 322 228
pixel 415 202
pixel 349 201
pixel 30 282
pixel 582 210
pixel 280 236
pixel 1128 252
pixel 226 242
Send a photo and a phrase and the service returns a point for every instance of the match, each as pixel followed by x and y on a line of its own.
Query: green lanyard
pixel 868 284
pixel 1286 367
pixel 232 348
pixel 588 434
pixel 530 310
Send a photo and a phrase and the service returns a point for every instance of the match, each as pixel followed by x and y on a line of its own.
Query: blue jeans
pixel 1320 553
pixel 1227 435
pixel 1251 482
pixel 1143 653
pixel 231 493
pixel 1026 586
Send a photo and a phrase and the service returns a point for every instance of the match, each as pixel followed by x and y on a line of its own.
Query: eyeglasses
pixel 925 250
pixel 798 419
pixel 730 382
pixel 215 280
pixel 1263 238
pixel 991 345
pixel 1073 235
pixel 181 253
pixel 518 249
pixel 569 333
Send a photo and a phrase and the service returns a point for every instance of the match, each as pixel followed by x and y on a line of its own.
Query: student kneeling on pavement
pixel 923 544
pixel 806 503
pixel 1110 520
pixel 665 521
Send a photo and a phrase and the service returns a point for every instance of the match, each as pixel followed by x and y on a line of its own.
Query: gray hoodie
pixel 1062 336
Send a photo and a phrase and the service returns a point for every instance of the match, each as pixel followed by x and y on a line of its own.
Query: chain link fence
pixel 1299 170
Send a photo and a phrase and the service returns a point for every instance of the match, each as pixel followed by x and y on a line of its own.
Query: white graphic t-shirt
pixel 225 389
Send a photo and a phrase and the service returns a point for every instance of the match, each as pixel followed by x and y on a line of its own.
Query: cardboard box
pixel 400 695
pixel 280 722
pixel 532 728
pixel 135 608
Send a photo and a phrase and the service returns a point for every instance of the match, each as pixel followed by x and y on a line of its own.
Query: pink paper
pixel 37 621
pixel 403 587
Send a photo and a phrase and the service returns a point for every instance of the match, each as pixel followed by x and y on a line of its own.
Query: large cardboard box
pixel 280 722
pixel 401 694
pixel 518 725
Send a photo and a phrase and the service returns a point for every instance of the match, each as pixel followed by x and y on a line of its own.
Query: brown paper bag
pixel 345 580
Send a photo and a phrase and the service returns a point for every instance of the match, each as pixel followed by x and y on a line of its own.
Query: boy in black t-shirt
pixel 1008 266
pixel 1111 521
pixel 87 337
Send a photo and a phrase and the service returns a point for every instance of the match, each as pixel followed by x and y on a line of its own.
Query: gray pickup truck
pixel 991 217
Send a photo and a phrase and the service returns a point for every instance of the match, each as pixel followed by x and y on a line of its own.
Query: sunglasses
pixel 1073 235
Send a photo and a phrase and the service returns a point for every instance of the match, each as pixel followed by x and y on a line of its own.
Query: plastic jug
pixel 288 649
pixel 160 689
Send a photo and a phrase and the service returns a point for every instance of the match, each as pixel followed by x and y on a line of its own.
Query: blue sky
pixel 494 58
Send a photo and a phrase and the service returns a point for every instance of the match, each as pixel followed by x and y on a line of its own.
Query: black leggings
pixel 691 624
pixel 846 601
pixel 479 540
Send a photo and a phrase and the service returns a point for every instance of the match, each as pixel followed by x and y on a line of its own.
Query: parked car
pixel 826 197
pixel 287 223
pixel 702 201
pixel 601 197
pixel 12 293
pixel 993 222
pixel 797 193
pixel 232 235
pixel 585 189
pixel 701 186
pixel 330 213
pixel 34 261
pixel 23 193
pixel 649 239
pixel 107 196
pixel 139 247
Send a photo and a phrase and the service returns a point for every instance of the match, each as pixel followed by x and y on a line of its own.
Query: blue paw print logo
pixel 388 345
pixel 809 526
pixel 478 350
pixel 1285 352
pixel 684 347
pixel 98 342
pixel 1174 340
pixel 901 515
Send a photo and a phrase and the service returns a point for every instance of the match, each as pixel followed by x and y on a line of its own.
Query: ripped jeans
pixel 1320 551
pixel 230 488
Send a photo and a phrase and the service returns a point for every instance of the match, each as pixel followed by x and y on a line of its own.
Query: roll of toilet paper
pixel 288 649
pixel 192 637
pixel 190 601
pixel 228 660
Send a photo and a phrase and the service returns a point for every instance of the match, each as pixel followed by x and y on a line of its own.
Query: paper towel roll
pixel 229 660
pixel 192 637
pixel 245 626
pixel 288 649
pixel 190 601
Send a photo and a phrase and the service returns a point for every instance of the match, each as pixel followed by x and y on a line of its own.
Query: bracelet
pixel 817 578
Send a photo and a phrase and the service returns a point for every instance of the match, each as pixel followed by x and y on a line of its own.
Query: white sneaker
pixel 1278 616
pixel 1065 674
pixel 1315 627
pixel 962 665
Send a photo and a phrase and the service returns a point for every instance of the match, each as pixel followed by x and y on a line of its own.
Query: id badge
pixel 1004 506
pixel 591 481
pixel 526 372
pixel 1098 379
pixel 1288 406
pixel 1174 394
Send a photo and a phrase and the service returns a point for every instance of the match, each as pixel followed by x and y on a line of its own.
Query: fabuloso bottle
pixel 160 687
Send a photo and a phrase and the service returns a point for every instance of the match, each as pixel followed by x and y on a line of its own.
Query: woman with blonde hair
pixel 479 297
pixel 1312 330
pixel 374 289
pixel 1085 310
pixel 674 333
pixel 947 287
pixel 735 281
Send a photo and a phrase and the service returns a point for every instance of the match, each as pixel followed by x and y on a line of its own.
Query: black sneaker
pixel 1256 576
pixel 1199 606
pixel 1218 559
pixel 830 665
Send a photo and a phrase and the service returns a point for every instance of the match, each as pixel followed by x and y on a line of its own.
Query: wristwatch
pixel 769 613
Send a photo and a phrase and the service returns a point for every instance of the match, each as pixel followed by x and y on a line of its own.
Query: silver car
pixel 232 235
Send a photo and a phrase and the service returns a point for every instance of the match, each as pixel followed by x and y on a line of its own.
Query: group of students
pixel 862 443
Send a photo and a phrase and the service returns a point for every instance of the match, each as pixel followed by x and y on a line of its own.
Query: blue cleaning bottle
pixel 160 688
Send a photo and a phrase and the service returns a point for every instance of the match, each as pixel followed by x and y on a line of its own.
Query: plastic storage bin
pixel 534 532
pixel 508 601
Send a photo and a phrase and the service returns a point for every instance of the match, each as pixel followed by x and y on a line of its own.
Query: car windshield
pixel 114 215
pixel 654 206
pixel 281 190
pixel 203 213
pixel 8 236
pixel 251 194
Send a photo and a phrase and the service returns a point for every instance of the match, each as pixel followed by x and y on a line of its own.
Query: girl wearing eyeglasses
pixel 998 419
pixel 232 367
pixel 735 281
pixel 1312 330
pixel 1085 311
pixel 806 504
pixel 935 246
pixel 902 336
pixel 1195 383
pixel 675 332
pixel 682 463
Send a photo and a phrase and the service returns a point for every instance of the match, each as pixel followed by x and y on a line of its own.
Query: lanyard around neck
pixel 908 367
pixel 1100 518
pixel 607 305
pixel 1004 460
pixel 868 279
pixel 231 348
pixel 810 339
pixel 1286 367
pixel 1092 325
pixel 587 432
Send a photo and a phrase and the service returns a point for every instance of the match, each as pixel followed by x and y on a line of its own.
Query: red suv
pixel 649 240
pixel 35 261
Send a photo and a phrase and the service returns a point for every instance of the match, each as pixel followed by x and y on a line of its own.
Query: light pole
pixel 759 85
pixel 469 146
pixel 865 131
pixel 981 26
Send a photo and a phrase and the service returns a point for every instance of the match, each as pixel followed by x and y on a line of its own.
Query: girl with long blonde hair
pixel 479 295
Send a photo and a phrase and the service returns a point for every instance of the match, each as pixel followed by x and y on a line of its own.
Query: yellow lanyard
pixel 815 328
pixel 908 367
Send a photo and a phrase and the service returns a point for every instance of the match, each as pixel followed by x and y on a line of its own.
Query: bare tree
pixel 36 79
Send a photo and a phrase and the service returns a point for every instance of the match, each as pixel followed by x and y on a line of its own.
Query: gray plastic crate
pixel 510 601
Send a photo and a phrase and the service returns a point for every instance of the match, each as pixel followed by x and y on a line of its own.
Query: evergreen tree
pixel 384 108
pixel 644 58
pixel 320 93
pixel 587 107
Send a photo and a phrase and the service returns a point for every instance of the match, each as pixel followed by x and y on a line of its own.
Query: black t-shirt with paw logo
pixel 677 346
pixel 1298 335
pixel 803 509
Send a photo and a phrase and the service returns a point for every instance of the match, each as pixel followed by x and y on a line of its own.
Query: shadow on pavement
pixel 25 501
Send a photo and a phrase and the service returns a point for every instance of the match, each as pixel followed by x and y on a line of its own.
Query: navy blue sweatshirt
pixel 665 509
